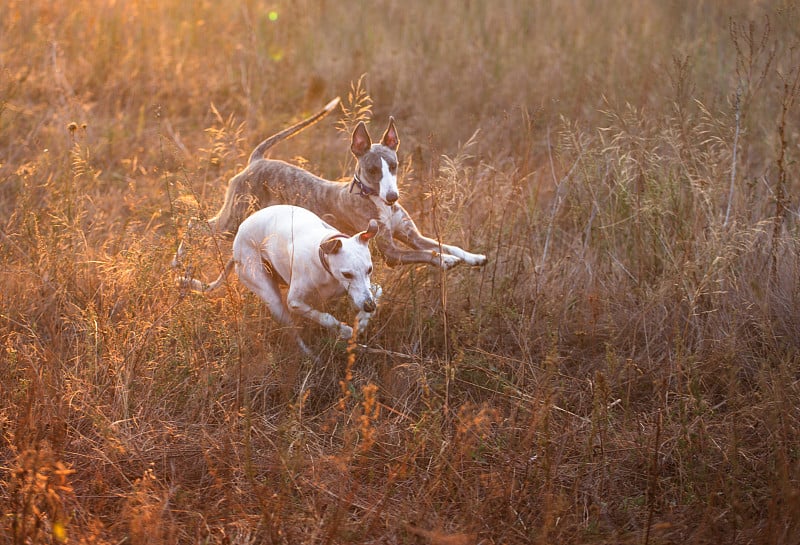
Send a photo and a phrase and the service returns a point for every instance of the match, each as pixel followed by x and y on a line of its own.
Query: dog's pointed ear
pixel 331 246
pixel 371 231
pixel 360 142
pixel 390 138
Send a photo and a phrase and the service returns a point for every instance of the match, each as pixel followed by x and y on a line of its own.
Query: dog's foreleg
pixel 254 276
pixel 177 259
pixel 474 260
pixel 407 233
pixel 363 320
pixel 363 316
pixel 191 232
pixel 300 307
pixel 396 256
pixel 271 296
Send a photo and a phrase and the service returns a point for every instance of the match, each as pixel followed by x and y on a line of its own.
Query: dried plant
pixel 357 107
pixel 623 370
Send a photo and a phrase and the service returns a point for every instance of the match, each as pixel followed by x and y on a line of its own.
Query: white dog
pixel 289 245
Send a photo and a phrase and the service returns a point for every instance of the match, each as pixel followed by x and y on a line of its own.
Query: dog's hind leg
pixel 187 282
pixel 239 203
pixel 192 232
pixel 177 259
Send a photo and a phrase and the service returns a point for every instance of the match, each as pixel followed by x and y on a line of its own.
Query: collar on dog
pixel 324 261
pixel 364 191
pixel 322 257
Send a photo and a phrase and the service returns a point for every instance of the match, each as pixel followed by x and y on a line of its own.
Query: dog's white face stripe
pixel 388 181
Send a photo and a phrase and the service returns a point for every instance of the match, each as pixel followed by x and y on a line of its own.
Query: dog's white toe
pixel 448 261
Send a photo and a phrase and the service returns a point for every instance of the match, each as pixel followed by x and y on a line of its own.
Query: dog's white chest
pixel 387 216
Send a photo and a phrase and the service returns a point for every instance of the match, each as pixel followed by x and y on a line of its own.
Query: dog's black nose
pixel 391 197
pixel 369 305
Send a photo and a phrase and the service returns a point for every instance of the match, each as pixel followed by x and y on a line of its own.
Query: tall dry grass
pixel 624 370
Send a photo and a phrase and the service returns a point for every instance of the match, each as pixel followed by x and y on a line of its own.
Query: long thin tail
pixel 195 285
pixel 258 153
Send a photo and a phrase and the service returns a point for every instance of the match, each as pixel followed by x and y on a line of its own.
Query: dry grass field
pixel 626 369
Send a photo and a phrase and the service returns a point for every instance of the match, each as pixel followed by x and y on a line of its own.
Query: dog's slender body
pixel 348 206
pixel 285 244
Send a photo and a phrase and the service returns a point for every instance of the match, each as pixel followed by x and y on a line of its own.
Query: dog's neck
pixel 363 190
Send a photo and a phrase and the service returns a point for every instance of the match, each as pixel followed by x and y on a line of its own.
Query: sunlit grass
pixel 625 368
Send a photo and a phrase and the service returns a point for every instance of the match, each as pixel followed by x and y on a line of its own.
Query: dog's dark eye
pixel 348 276
pixel 374 171
pixel 393 168
pixel 369 271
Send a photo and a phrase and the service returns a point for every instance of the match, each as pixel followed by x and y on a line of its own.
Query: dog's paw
pixel 447 261
pixel 476 260
pixel 187 283
pixel 345 331
pixel 363 322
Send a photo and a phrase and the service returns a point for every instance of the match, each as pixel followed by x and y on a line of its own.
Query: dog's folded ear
pixel 361 142
pixel 390 138
pixel 371 231
pixel 331 246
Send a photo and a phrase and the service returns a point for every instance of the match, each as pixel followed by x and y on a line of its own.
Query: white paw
pixel 345 331
pixel 364 317
pixel 475 260
pixel 363 322
pixel 448 261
